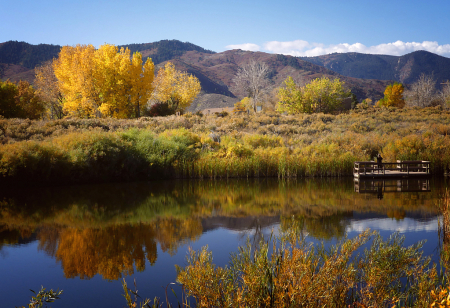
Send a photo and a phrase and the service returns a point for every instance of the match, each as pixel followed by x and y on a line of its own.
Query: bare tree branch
pixel 445 95
pixel 423 92
pixel 252 80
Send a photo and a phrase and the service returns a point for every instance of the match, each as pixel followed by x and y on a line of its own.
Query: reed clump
pixel 265 144
pixel 287 272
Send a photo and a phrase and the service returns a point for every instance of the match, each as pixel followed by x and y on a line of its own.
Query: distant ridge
pixel 27 55
pixel 406 69
pixel 165 50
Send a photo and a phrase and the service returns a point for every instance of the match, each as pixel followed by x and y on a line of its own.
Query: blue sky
pixel 300 28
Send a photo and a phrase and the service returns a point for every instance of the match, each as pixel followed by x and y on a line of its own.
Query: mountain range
pixel 405 69
pixel 366 75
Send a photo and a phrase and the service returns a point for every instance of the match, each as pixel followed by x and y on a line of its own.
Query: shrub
pixel 31 161
pixel 263 141
pixel 287 272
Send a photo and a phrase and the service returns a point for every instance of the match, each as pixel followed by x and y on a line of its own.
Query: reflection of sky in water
pixel 25 266
pixel 405 225
pixel 394 225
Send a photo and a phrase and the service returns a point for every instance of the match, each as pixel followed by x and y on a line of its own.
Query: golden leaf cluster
pixel 104 82
pixel 393 96
pixel 320 95
pixel 174 87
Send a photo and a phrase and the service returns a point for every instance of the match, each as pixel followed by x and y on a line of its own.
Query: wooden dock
pixel 399 169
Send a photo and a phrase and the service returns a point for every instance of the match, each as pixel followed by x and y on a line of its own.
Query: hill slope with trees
pixel 365 75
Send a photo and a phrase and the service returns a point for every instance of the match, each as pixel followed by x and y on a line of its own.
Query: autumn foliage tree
pixel 393 96
pixel 20 101
pixel 243 105
pixel 174 88
pixel 48 90
pixel 104 82
pixel 8 91
pixel 320 95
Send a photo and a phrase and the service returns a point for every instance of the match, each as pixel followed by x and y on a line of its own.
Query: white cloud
pixel 248 46
pixel 303 48
pixel 286 47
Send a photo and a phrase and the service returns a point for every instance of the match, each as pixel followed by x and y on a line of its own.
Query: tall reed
pixel 287 272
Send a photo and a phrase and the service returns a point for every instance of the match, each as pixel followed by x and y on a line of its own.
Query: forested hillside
pixel 27 55
pixel 165 50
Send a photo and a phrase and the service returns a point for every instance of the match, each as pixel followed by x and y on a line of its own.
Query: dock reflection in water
pixel 104 232
pixel 382 186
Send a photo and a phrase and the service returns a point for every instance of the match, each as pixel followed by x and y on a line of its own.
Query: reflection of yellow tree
pixel 173 232
pixel 109 252
pixel 323 228
pixel 48 239
pixel 114 251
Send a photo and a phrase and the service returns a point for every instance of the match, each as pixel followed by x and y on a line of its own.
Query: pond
pixel 84 239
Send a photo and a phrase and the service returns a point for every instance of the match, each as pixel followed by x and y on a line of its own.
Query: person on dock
pixel 379 162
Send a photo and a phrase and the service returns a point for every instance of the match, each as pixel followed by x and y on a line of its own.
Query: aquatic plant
pixel 42 297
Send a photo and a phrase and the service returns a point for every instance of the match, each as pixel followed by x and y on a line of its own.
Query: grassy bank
pixel 261 145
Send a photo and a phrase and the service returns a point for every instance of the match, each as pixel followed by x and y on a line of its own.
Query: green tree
pixel 320 95
pixel 291 99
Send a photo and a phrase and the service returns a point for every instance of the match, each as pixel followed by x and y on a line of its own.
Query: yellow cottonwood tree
pixel 174 87
pixel 141 82
pixel 73 69
pixel 320 95
pixel 393 96
pixel 290 98
pixel 104 82
pixel 243 105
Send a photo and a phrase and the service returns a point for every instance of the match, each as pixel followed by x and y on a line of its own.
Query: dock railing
pixel 413 166
pixel 399 168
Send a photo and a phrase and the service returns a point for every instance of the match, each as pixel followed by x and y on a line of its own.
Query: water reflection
pixel 382 186
pixel 114 229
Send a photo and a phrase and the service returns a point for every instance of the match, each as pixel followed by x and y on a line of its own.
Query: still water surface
pixel 85 239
